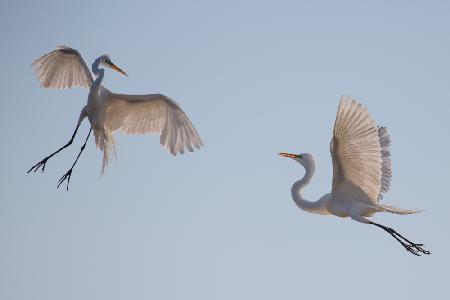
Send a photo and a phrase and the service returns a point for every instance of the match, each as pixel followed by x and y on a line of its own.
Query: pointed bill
pixel 114 67
pixel 290 155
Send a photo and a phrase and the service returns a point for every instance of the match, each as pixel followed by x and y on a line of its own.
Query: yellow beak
pixel 288 155
pixel 114 67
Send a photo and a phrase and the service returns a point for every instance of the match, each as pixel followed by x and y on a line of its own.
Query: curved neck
pixel 98 72
pixel 298 186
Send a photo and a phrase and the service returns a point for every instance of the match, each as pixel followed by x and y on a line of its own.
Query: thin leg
pixel 414 248
pixel 42 163
pixel 69 173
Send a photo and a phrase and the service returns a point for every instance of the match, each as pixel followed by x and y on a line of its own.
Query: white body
pixel 108 112
pixel 361 167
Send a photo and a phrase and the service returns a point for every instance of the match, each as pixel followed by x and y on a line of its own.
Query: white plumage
pixel 361 171
pixel 63 68
pixel 153 113
pixel 356 152
pixel 140 114
pixel 109 112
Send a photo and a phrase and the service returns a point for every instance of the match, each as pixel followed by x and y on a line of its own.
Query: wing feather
pixel 386 172
pixel 153 113
pixel 361 157
pixel 62 68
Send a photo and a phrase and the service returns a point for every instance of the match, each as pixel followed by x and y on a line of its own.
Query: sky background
pixel 256 78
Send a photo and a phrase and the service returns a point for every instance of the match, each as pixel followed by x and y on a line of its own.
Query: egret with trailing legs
pixel 361 172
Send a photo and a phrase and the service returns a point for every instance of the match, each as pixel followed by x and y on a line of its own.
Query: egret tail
pixel 396 210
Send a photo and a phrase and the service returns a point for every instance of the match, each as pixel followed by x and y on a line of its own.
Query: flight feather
pixel 360 152
pixel 63 68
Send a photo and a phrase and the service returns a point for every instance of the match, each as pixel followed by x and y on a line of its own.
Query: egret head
pixel 305 159
pixel 105 60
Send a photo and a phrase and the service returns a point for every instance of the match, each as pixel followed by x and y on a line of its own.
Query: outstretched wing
pixel 62 68
pixel 153 113
pixel 360 169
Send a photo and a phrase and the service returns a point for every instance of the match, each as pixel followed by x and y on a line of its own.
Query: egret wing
pixel 386 172
pixel 357 154
pixel 62 68
pixel 153 113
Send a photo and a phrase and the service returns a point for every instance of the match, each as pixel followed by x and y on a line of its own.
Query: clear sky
pixel 256 78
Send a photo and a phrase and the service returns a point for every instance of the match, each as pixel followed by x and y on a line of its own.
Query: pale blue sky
pixel 256 78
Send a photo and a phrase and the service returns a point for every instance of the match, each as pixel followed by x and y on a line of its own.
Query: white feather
pixel 63 68
pixel 356 152
pixel 153 113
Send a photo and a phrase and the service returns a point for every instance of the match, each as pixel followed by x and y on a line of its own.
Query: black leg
pixel 69 173
pixel 414 248
pixel 42 163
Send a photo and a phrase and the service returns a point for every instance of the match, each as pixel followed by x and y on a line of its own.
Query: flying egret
pixel 361 172
pixel 108 112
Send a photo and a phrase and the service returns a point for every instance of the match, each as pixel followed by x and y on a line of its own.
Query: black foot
pixel 411 247
pixel 416 249
pixel 39 165
pixel 64 177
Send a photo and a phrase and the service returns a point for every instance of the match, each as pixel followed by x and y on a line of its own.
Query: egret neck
pixel 99 73
pixel 297 188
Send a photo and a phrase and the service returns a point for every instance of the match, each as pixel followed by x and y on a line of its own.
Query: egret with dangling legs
pixel 109 112
pixel 361 172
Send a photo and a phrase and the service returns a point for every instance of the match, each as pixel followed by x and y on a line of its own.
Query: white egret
pixel 108 112
pixel 361 172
